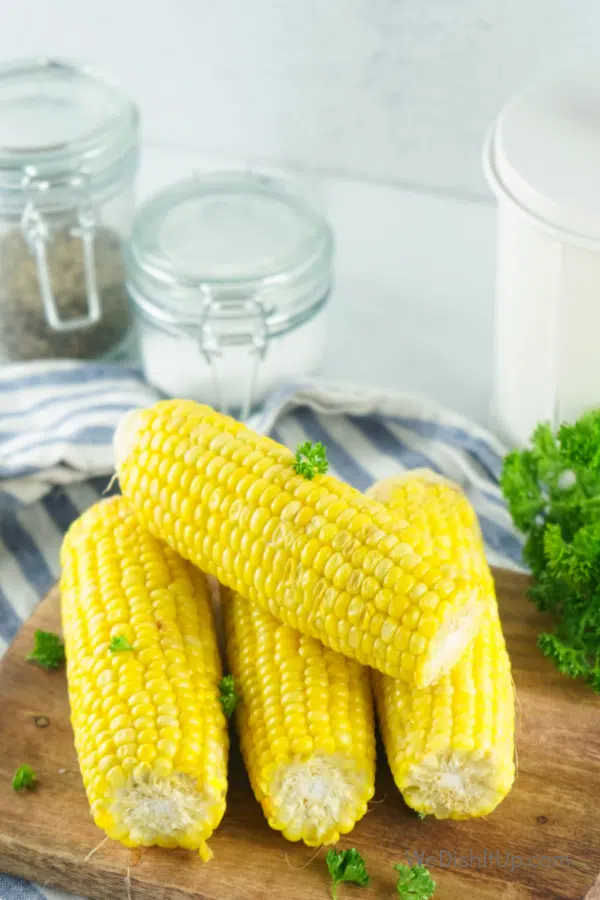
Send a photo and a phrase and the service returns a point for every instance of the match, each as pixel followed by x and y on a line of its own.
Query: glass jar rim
pixel 63 126
pixel 229 243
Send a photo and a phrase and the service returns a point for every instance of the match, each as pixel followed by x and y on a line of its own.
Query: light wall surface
pixel 393 91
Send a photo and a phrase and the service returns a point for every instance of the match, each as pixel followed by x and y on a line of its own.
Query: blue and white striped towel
pixel 56 425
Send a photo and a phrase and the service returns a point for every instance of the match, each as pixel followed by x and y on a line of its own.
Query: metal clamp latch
pixel 232 320
pixel 37 233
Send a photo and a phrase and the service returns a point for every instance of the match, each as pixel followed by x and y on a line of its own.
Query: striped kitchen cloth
pixel 56 425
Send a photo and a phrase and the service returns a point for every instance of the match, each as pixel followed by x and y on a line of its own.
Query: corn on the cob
pixel 439 509
pixel 149 729
pixel 316 554
pixel 305 722
pixel 451 747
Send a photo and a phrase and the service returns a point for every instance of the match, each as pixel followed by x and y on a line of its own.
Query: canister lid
pixel 544 152
pixel 58 119
pixel 224 241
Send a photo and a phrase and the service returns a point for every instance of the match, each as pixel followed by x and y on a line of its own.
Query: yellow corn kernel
pixel 306 726
pixel 451 746
pixel 143 788
pixel 319 539
pixel 440 511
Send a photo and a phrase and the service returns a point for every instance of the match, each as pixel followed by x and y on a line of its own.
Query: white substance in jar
pixel 177 366
pixel 230 277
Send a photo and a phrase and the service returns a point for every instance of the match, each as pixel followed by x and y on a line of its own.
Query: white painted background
pixel 394 90
pixel 384 103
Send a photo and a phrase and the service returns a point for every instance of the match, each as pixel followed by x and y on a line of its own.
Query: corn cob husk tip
pixel 125 435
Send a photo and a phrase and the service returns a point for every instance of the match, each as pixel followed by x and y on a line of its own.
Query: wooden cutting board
pixel 553 810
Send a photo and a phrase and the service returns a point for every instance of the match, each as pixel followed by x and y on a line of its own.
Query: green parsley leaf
pixel 414 882
pixel 24 778
pixel 48 650
pixel 119 642
pixel 346 865
pixel 311 460
pixel 229 696
pixel 553 493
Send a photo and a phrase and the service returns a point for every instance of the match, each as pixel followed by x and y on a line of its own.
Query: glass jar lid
pixel 62 126
pixel 227 250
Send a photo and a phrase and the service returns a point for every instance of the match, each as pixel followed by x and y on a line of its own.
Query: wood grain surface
pixel 553 810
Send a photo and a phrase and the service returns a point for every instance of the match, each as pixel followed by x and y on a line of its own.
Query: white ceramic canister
pixel 542 160
pixel 230 276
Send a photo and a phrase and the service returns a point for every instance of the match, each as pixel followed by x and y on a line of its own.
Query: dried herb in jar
pixel 24 330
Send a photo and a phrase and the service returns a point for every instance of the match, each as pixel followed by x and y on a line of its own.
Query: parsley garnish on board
pixel 228 695
pixel 346 865
pixel 311 460
pixel 553 494
pixel 48 650
pixel 119 642
pixel 414 882
pixel 24 778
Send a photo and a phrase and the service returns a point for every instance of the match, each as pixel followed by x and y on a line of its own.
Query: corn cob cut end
pixel 454 636
pixel 164 810
pixel 125 435
pixel 457 785
pixel 318 799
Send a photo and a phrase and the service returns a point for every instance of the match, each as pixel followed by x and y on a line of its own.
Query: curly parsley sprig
pixel 346 865
pixel 310 460
pixel 119 643
pixel 228 695
pixel 24 778
pixel 553 493
pixel 48 650
pixel 414 882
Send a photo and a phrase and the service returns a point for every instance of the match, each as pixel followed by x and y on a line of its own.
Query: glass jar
pixel 229 275
pixel 69 150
